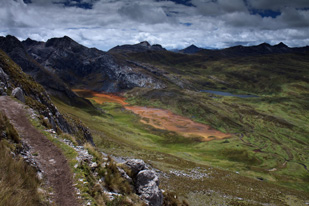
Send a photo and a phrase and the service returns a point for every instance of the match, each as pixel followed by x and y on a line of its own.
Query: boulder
pixel 136 165
pixel 18 94
pixel 146 182
pixel 3 77
pixel 147 185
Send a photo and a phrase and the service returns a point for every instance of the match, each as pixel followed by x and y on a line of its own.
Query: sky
pixel 174 24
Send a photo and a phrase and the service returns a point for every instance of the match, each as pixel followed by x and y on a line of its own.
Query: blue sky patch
pixel 186 24
pixel 183 2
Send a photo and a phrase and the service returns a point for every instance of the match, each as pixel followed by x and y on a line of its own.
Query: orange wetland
pixel 159 118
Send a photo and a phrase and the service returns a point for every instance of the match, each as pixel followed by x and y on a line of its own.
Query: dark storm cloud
pixel 143 13
pixel 172 23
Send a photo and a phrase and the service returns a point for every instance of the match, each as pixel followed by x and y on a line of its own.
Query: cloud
pixel 174 24
pixel 207 7
pixel 144 13
pixel 295 18
pixel 278 4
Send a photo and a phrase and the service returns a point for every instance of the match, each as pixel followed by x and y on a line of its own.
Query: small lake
pixel 228 94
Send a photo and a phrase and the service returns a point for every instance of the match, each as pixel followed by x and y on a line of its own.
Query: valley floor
pixel 184 163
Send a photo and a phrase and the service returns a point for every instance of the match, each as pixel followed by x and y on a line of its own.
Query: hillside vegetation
pixel 18 180
pixel 270 131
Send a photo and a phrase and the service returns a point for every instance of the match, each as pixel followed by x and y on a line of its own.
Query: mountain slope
pixel 82 67
pixel 51 82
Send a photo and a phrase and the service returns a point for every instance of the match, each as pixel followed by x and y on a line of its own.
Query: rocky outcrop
pixel 146 182
pixel 4 82
pixel 18 94
pixel 147 185
pixel 136 165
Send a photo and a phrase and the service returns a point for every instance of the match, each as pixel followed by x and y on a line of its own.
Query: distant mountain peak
pixel 264 45
pixel 191 49
pixel 192 46
pixel 281 45
pixel 60 42
pixel 140 47
pixel 144 43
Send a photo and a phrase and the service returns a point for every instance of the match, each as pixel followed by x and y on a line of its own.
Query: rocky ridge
pixel 89 68
pixel 53 84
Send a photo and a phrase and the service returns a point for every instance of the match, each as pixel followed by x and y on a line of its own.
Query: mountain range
pixel 61 63
pixel 140 101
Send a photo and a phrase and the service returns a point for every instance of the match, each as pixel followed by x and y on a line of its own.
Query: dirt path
pixel 53 163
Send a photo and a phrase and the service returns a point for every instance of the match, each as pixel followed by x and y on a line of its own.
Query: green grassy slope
pixel 120 133
pixel 271 131
pixel 260 74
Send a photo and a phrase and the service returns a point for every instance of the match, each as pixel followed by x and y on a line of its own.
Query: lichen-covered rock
pixel 4 78
pixel 147 185
pixel 146 182
pixel 18 94
pixel 136 165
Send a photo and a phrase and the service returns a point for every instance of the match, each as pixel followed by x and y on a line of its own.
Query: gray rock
pixel 147 185
pixel 3 77
pixel 125 175
pixel 18 94
pixel 146 182
pixel 136 165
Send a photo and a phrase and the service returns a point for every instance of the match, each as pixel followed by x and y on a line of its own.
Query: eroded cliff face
pixel 90 68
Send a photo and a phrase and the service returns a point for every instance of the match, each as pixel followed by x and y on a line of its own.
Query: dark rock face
pixel 90 68
pixel 146 182
pixel 140 47
pixel 55 86
pixel 18 94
